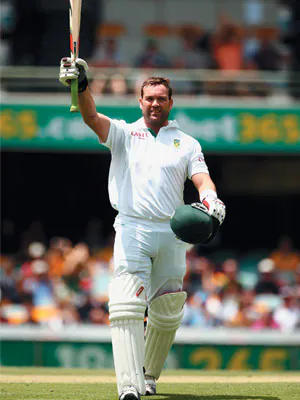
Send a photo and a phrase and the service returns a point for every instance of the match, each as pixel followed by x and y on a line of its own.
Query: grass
pixel 109 372
pixel 177 391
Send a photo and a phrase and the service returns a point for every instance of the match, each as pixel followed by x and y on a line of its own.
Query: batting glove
pixel 215 206
pixel 73 70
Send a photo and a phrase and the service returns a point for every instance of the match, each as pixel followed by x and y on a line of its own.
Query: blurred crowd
pixel 67 284
pixel 230 47
pixel 228 50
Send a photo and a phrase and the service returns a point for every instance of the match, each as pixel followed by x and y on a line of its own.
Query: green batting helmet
pixel 193 224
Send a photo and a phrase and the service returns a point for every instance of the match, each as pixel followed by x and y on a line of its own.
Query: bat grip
pixel 74 96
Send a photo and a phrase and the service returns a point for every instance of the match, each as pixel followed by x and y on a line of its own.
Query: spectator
pixel 36 252
pixel 213 306
pixel 287 316
pixel 34 234
pixel 107 54
pixel 76 259
pixel 251 45
pixel 230 298
pixel 14 314
pixel 190 57
pixel 58 250
pixel 267 282
pixel 84 307
pixel 195 313
pixel 99 83
pixel 101 273
pixel 290 37
pixel 265 319
pixel 76 274
pixel 285 257
pixel 45 307
pixel 61 243
pixel 230 270
pixel 152 56
pixel 118 84
pixel 204 46
pixel 244 315
pixel 99 316
pixel 42 292
pixel 12 310
pixel 8 281
pixel 228 52
pixel 297 283
pixel 240 319
pixel 90 311
pixel 109 84
pixel 200 275
pixel 267 57
pixel 68 314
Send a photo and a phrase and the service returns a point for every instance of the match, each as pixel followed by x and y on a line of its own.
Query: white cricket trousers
pixel 150 250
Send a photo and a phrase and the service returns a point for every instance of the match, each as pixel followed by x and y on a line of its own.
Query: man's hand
pixel 215 207
pixel 73 70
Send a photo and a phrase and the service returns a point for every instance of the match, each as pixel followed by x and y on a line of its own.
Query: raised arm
pixel 69 70
pixel 99 123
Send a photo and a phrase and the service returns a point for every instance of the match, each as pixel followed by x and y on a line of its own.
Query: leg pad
pixel 127 304
pixel 164 318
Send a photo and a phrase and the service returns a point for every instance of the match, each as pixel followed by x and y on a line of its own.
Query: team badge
pixel 176 143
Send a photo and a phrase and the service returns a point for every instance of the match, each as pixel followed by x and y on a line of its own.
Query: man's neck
pixel 155 129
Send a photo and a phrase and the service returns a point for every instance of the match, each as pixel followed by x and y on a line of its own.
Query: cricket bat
pixel 75 16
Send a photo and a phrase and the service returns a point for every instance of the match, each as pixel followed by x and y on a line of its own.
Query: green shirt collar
pixel 152 132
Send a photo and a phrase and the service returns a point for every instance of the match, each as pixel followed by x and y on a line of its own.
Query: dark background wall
pixel 41 35
pixel 68 192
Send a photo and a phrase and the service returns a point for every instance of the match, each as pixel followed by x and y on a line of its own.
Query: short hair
pixel 157 80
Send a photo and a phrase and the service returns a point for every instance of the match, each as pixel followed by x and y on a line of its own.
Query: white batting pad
pixel 165 314
pixel 127 305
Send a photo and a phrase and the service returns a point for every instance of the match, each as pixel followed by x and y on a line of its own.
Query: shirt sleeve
pixel 197 162
pixel 116 135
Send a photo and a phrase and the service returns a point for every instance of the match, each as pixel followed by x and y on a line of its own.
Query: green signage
pixel 191 356
pixel 219 129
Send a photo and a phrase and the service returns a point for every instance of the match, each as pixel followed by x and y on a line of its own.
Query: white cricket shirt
pixel 147 172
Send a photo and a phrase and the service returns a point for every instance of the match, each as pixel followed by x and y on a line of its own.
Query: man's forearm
pixel 207 185
pixel 203 182
pixel 99 123
pixel 87 107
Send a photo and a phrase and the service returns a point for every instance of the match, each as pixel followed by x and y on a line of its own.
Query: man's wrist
pixel 83 85
pixel 208 193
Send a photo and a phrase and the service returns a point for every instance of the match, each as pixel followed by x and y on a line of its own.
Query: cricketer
pixel 150 162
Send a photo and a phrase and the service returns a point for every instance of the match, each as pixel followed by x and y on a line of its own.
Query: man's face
pixel 156 105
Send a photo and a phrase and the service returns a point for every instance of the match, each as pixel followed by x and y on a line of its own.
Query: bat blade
pixel 74 18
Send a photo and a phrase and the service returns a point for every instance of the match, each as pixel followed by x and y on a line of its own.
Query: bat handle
pixel 74 96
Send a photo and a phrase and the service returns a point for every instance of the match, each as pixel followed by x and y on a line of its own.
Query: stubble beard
pixel 157 122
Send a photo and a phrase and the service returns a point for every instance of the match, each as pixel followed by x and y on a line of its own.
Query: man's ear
pixel 140 101
pixel 171 102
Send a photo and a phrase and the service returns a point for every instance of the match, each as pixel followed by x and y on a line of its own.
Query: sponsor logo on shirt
pixel 200 159
pixel 140 135
pixel 176 143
